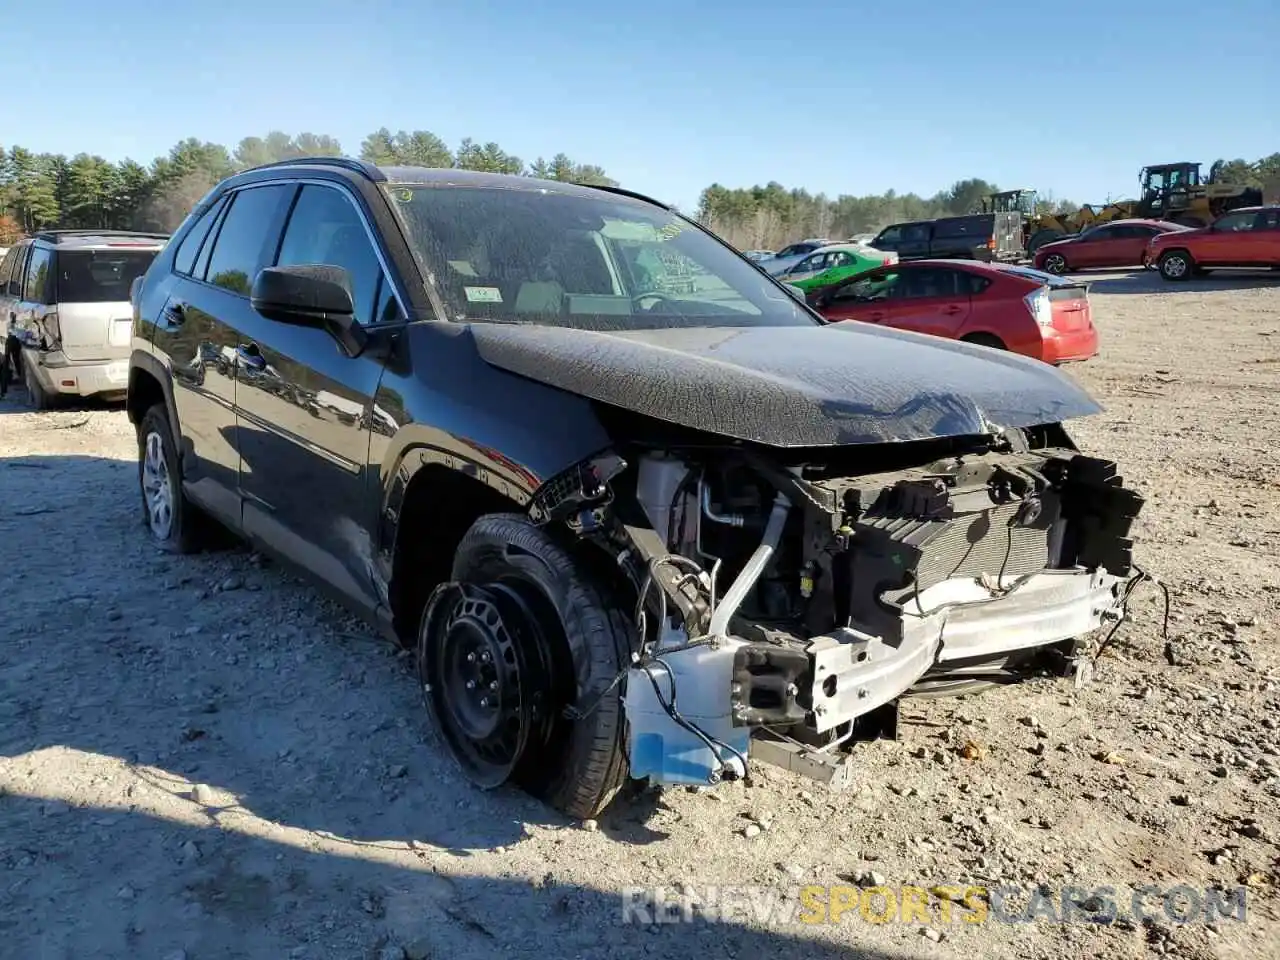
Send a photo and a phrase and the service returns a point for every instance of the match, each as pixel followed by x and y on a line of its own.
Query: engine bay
pixel 794 594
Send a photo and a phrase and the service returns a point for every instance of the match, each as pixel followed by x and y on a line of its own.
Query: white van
pixel 65 294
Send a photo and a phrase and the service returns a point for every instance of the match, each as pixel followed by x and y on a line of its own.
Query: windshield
pixel 100 276
pixel 600 263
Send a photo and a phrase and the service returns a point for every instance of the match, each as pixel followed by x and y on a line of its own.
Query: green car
pixel 833 263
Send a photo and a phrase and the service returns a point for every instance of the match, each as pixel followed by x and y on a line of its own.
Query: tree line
pixel 44 190
pixel 770 216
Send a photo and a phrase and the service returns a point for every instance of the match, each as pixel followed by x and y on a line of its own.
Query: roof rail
pixel 363 167
pixel 54 235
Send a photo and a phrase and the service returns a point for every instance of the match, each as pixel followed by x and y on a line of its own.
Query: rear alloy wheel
pixel 1176 265
pixel 518 635
pixel 174 523
pixel 1055 263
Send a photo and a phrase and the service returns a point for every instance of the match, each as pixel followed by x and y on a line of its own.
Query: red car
pixel 996 305
pixel 1248 237
pixel 1120 243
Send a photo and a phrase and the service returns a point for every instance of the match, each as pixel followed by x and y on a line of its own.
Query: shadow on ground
pixel 232 894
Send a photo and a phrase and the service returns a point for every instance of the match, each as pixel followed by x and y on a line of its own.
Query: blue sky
pixel 843 97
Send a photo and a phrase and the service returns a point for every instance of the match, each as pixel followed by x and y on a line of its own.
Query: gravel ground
pixel 199 758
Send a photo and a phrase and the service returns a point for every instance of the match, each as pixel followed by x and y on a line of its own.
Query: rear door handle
pixel 952 311
pixel 172 314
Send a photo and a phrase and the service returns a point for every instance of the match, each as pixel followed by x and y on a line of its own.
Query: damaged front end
pixel 786 599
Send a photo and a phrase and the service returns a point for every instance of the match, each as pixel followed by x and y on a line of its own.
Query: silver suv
pixel 65 296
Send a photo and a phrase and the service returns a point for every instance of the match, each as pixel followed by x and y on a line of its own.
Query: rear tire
pixel 175 524
pixel 985 340
pixel 37 398
pixel 520 633
pixel 1176 265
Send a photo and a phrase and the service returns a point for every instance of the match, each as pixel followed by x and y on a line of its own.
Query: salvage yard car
pixel 996 305
pixel 1248 237
pixel 1119 243
pixel 637 511
pixel 66 294
pixel 833 263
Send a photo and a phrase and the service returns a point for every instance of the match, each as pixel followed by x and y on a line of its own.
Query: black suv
pixel 635 508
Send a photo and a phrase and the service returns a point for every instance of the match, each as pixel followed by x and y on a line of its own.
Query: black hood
pixel 793 386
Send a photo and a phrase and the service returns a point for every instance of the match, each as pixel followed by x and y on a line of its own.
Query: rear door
pixel 200 327
pixel 916 242
pixel 1133 243
pixel 969 238
pixel 303 405
pixel 1229 241
pixel 932 300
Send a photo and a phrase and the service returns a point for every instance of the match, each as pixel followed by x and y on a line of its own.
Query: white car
pixel 66 295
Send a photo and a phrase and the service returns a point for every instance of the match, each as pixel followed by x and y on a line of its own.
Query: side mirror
pixel 310 295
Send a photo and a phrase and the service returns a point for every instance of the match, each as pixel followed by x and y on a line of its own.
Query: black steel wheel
pixel 520 633
pixel 485 665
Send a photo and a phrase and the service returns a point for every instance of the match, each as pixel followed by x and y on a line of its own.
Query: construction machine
pixel 1041 227
pixel 1176 192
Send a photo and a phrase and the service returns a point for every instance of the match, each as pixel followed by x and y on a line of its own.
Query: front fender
pixel 439 404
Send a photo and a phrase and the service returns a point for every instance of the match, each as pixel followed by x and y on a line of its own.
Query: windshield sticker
pixel 671 231
pixel 483 294
pixel 404 196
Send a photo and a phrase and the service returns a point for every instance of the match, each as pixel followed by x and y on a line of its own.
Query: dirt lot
pixel 200 759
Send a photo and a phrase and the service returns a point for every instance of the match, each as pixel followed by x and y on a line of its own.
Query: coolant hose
pixel 745 580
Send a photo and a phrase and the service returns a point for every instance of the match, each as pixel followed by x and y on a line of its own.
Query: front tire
pixel 1055 263
pixel 173 522
pixel 1176 265
pixel 520 633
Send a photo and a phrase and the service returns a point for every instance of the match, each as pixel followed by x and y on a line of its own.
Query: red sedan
pixel 996 305
pixel 1120 243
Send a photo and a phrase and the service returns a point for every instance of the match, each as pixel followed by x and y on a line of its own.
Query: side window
pixel 6 268
pixel 840 259
pixel 14 287
pixel 1272 219
pixel 388 311
pixel 888 235
pixel 973 284
pixel 185 259
pixel 810 264
pixel 916 233
pixel 871 288
pixel 929 283
pixel 1234 223
pixel 325 227
pixel 36 289
pixel 241 246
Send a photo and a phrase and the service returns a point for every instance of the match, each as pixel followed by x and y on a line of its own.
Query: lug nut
pixel 493 684
pixel 484 657
pixel 471 658
pixel 471 684
pixel 484 702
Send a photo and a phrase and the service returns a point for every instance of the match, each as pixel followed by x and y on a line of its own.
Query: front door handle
pixel 952 311
pixel 249 355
